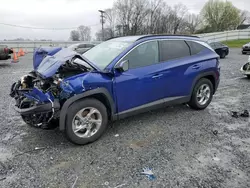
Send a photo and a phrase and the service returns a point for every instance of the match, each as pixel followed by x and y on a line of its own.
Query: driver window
pixel 143 55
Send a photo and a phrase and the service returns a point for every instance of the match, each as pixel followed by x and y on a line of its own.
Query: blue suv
pixel 118 78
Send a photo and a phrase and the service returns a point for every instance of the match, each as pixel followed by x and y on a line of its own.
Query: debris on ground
pixel 245 114
pixel 106 183
pixel 30 151
pixel 215 132
pixel 1 179
pixel 75 182
pixel 118 186
pixel 117 135
pixel 235 114
pixel 216 159
pixel 40 148
pixel 148 172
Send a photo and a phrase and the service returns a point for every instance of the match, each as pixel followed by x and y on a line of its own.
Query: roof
pixel 243 26
pixel 150 36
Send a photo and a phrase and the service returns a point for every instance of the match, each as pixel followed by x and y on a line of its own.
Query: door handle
pixel 157 76
pixel 196 67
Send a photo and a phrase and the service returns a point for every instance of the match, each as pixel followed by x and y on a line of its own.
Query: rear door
pixel 180 67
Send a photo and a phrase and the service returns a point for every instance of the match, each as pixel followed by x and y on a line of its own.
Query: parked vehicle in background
pixel 221 49
pixel 245 69
pixel 116 79
pixel 5 52
pixel 246 48
pixel 81 47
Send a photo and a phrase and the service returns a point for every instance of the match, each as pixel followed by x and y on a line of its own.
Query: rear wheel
pixel 202 94
pixel 86 121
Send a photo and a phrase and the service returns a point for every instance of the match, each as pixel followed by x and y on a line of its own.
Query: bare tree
pixel 193 22
pixel 74 35
pixel 110 15
pixel 244 17
pixel 85 33
pixel 131 15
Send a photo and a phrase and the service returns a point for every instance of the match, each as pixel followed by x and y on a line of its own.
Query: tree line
pixel 136 17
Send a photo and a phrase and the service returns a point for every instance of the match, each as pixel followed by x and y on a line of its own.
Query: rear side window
pixel 82 46
pixel 89 45
pixel 173 49
pixel 195 47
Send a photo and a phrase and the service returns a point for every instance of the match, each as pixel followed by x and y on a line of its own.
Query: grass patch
pixel 236 43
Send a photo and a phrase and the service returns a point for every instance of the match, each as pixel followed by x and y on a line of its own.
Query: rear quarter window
pixel 195 47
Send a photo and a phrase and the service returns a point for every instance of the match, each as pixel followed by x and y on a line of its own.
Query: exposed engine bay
pixel 40 94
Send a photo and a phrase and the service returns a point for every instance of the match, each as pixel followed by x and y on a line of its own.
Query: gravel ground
pixel 185 148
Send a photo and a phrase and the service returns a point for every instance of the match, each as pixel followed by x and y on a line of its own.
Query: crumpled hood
pixel 41 52
pixel 51 63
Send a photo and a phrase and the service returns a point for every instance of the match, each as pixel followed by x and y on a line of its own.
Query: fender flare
pixel 70 101
pixel 202 75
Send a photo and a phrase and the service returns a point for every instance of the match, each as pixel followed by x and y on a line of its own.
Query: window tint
pixel 82 46
pixel 173 49
pixel 89 45
pixel 144 55
pixel 196 47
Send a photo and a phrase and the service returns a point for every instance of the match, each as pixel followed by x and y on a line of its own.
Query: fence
pixel 31 45
pixel 210 37
pixel 226 35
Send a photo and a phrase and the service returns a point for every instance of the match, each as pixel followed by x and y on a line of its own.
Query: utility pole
pixel 102 21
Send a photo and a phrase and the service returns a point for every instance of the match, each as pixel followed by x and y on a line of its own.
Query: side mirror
pixel 122 66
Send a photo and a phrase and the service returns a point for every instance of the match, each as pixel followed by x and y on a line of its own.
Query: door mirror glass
pixel 122 66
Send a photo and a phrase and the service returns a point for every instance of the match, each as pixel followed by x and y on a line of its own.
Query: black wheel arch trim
pixel 70 101
pixel 202 75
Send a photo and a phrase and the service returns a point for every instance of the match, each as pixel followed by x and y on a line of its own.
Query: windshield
pixel 103 54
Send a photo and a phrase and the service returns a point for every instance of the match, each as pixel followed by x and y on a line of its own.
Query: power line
pixel 27 27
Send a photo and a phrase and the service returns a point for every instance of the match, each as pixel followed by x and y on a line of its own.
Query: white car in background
pixel 245 69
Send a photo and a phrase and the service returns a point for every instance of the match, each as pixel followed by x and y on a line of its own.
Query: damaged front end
pixel 40 94
pixel 36 100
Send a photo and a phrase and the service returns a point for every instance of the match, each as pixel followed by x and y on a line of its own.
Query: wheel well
pixel 212 79
pixel 103 99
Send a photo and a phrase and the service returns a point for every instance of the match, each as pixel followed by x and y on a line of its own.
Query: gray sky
pixel 66 14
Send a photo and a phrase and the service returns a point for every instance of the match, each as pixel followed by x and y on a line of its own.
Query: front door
pixel 139 85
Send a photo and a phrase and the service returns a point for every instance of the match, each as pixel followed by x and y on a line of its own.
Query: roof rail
pixel 166 35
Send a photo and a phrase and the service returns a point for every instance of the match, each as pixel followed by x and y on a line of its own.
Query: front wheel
pixel 202 94
pixel 86 121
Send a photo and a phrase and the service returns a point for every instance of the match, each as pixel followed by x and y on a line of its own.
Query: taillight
pixel 6 50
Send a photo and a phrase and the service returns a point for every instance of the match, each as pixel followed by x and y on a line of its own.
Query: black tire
pixel 223 55
pixel 248 76
pixel 76 107
pixel 193 103
pixel 244 53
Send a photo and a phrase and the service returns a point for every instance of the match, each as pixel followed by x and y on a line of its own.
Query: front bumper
pixel 245 49
pixel 41 103
pixel 38 109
